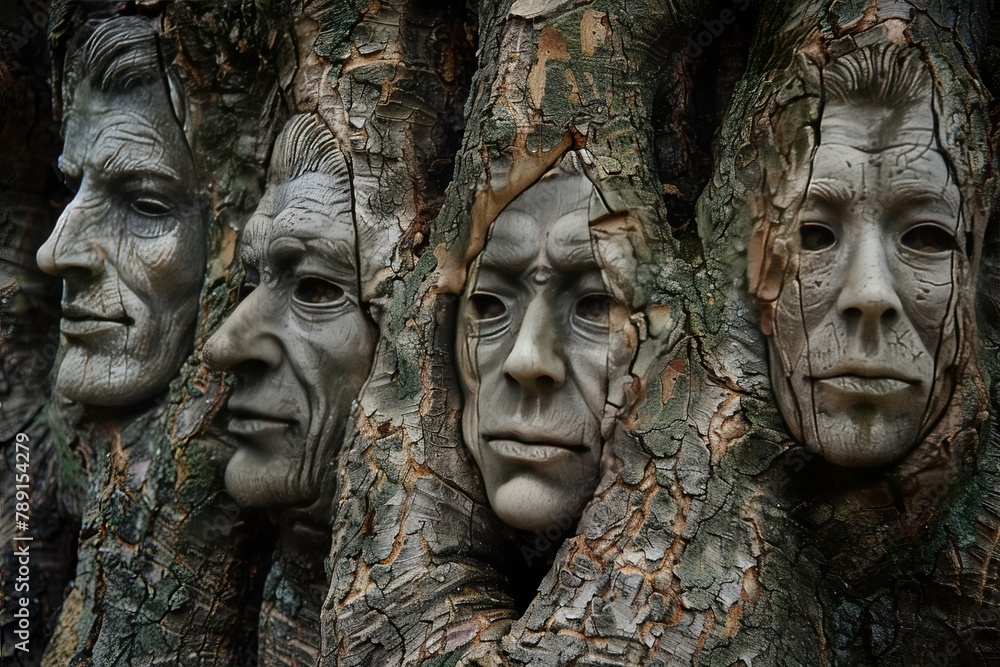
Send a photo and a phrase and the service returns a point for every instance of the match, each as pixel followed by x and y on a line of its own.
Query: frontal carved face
pixel 858 336
pixel 533 345
pixel 299 343
pixel 129 247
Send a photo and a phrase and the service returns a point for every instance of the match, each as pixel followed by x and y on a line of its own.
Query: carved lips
pixel 864 382
pixel 258 429
pixel 80 321
pixel 532 449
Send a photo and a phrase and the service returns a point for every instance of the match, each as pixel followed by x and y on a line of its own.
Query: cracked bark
pixel 716 539
pixel 166 562
pixel 28 329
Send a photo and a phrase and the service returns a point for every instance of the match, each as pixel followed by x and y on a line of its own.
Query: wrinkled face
pixel 129 248
pixel 299 343
pixel 859 335
pixel 533 341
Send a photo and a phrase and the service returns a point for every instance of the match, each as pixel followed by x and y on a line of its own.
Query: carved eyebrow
pixel 292 248
pixel 572 257
pixel 136 154
pixel 831 191
pixel 912 191
pixel 505 255
pixel 68 167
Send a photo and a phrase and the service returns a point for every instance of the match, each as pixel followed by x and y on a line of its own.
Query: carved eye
pixel 154 216
pixel 929 238
pixel 594 308
pixel 151 207
pixel 317 291
pixel 487 306
pixel 251 278
pixel 816 237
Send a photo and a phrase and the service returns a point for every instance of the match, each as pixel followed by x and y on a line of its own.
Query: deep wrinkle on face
pixel 299 343
pixel 858 337
pixel 130 247
pixel 533 343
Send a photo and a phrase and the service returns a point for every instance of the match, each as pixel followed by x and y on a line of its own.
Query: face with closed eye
pixel 299 343
pixel 129 247
pixel 533 349
pixel 858 336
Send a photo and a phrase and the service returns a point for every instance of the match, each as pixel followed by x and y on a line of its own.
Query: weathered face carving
pixel 129 247
pixel 533 341
pixel 299 342
pixel 859 335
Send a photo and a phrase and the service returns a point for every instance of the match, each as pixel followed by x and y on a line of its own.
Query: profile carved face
pixel 129 247
pixel 299 342
pixel 858 342
pixel 534 358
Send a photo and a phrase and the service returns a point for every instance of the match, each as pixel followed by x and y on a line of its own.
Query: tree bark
pixel 713 537
pixel 167 562
pixel 29 312
pixel 716 539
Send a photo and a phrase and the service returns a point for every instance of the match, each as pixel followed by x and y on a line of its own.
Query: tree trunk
pixel 716 533
pixel 716 539
pixel 167 563
pixel 29 313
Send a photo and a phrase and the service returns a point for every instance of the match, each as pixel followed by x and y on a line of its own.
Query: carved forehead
pixel 312 207
pixel 133 131
pixel 876 127
pixel 549 220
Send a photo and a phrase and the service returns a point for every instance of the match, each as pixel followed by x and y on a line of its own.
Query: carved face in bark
pixel 533 343
pixel 129 246
pixel 858 334
pixel 299 342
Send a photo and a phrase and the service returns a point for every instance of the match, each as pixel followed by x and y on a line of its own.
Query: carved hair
pixel 117 56
pixel 306 145
pixel 885 75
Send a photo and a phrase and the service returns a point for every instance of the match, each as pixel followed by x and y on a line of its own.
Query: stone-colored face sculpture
pixel 299 342
pixel 129 246
pixel 858 336
pixel 533 345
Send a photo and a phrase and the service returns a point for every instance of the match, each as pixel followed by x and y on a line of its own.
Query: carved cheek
pixel 803 306
pixel 163 289
pixel 587 364
pixel 928 293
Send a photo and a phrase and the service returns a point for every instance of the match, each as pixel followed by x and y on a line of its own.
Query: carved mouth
pixel 78 321
pixel 537 449
pixel 865 385
pixel 255 427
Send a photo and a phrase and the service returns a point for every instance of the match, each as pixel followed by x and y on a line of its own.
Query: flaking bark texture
pixel 29 337
pixel 167 562
pixel 422 568
pixel 389 78
pixel 716 539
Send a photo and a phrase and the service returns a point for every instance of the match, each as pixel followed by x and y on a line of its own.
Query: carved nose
pixel 535 361
pixel 68 252
pixel 868 294
pixel 244 340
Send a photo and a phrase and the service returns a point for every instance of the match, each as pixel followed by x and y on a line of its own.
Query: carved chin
pixel 529 503
pixel 255 479
pixel 863 437
pixel 110 379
